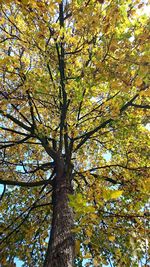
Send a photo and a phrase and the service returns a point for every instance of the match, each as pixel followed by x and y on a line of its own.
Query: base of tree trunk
pixel 61 245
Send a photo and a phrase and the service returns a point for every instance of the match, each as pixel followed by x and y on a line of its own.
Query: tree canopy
pixel 74 86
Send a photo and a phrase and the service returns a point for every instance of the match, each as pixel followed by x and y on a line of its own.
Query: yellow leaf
pixel 111 238
pixel 116 194
pixel 87 256
pixel 77 247
pixel 76 230
pixel 87 241
pixel 89 232
pixel 2 20
pixel 145 92
pixel 93 216
pixel 95 262
pixel 91 209
pixel 138 81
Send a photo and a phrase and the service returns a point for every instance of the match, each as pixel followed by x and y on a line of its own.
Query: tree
pixel 74 110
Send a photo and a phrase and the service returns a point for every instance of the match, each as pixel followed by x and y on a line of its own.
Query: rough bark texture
pixel 60 251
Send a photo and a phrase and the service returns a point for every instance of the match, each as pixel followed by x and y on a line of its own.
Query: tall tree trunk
pixel 60 251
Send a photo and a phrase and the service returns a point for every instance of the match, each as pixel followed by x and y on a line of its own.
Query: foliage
pixel 78 86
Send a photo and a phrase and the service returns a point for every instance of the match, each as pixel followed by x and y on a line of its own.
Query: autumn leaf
pixel 116 194
pixel 77 247
pixel 74 112
pixel 111 238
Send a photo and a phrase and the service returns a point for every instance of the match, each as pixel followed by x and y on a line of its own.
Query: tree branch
pixel 25 184
pixel 15 142
pixel 116 165
pixel 3 193
pixel 13 131
pixel 16 121
pixel 29 209
pixel 140 106
pixel 87 135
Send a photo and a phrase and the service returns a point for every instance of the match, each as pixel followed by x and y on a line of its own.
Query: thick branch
pixel 50 151
pixel 14 131
pixel 88 135
pixel 140 106
pixel 108 179
pixel 31 108
pixel 117 165
pixel 16 121
pixel 15 142
pixel 25 184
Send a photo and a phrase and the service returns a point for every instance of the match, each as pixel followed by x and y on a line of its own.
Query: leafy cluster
pixel 77 85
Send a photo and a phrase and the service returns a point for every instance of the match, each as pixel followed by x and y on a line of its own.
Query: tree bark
pixel 60 252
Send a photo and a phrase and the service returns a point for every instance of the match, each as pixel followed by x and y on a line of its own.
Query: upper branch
pixel 63 95
pixel 87 135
